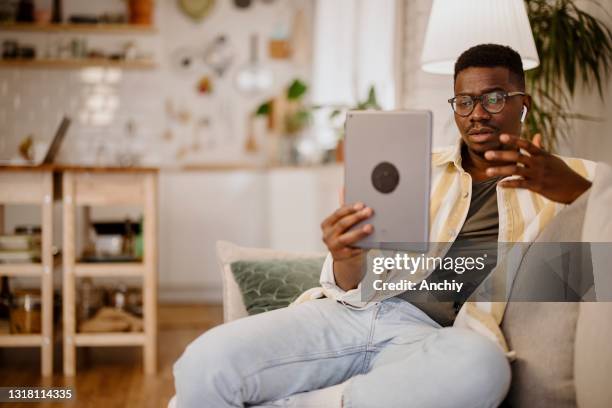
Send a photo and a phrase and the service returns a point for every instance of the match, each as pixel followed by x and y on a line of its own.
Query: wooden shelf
pixel 99 188
pixel 34 188
pixel 21 269
pixel 76 63
pixel 20 340
pixel 83 28
pixel 109 339
pixel 111 269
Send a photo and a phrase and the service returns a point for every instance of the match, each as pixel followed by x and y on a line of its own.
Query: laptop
pixel 10 152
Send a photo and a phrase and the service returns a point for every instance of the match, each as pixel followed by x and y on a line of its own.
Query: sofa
pixel 564 349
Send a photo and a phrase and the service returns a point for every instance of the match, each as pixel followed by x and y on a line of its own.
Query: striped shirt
pixel 523 214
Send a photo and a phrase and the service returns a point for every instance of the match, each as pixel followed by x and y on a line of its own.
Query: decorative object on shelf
pixel 140 12
pixel 42 17
pixel 22 247
pixel 90 299
pixel 78 48
pixel 8 11
pixel 253 78
pixel 196 9
pixel 113 241
pixel 219 55
pixel 26 312
pixel 6 300
pixel 10 49
pixel 26 148
pixel 83 19
pixel 109 319
pixel 25 11
pixel 56 12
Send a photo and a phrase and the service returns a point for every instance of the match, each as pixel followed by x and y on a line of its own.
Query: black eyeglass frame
pixel 480 98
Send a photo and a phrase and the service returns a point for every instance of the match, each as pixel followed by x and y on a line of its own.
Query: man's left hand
pixel 540 171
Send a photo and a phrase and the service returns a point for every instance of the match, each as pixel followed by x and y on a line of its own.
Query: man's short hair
pixel 490 56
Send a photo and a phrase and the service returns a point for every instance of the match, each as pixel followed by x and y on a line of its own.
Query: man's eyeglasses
pixel 492 102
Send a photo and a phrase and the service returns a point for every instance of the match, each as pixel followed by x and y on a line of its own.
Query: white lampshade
pixel 456 25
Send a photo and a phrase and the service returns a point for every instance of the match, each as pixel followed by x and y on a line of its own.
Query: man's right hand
pixel 339 239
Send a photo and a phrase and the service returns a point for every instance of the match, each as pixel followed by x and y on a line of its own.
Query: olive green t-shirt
pixel 478 236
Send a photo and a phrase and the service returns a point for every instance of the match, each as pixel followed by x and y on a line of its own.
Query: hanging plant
pixel 574 48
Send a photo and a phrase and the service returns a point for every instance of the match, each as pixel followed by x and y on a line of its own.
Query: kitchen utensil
pixel 253 78
pixel 183 60
pixel 219 55
pixel 196 9
pixel 242 4
pixel 250 145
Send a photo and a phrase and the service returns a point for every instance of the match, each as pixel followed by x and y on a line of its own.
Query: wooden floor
pixel 113 377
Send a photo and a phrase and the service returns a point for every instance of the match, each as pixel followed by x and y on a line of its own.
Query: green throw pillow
pixel 271 284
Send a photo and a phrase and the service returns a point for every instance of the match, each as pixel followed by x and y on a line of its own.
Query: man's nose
pixel 479 113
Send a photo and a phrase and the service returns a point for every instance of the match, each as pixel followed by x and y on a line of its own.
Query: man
pixel 392 352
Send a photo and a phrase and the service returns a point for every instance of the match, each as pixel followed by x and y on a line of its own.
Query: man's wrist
pixel 583 186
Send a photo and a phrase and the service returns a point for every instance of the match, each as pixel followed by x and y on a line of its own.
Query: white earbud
pixel 523 114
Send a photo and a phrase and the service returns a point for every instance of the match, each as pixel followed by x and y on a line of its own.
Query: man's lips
pixel 483 135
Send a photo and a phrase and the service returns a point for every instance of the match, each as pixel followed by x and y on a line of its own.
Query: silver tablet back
pixel 388 168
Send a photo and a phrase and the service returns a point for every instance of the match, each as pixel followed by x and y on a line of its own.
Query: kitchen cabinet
pixel 280 208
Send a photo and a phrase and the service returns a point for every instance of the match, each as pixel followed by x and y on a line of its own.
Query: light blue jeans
pixel 394 354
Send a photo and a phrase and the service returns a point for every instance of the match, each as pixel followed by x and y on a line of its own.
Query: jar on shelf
pixel 26 312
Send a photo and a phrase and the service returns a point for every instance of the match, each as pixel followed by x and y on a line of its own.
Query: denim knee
pixel 486 371
pixel 449 368
pixel 208 371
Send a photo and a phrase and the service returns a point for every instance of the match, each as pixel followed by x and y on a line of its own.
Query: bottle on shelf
pixel 5 299
pixel 56 12
pixel 25 11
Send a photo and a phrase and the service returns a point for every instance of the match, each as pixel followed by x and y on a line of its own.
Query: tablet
pixel 388 168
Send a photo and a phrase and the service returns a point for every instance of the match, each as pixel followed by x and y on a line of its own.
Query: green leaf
pixel 264 109
pixel 296 90
pixel 575 49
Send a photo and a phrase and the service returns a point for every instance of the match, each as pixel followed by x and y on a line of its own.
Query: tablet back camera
pixel 385 177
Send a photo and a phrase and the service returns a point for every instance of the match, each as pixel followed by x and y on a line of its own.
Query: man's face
pixel 480 130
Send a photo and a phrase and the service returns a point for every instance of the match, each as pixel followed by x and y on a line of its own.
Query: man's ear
pixel 526 107
pixel 527 101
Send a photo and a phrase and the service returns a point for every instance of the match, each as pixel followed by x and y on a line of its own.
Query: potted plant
pixel 574 47
pixel 338 117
